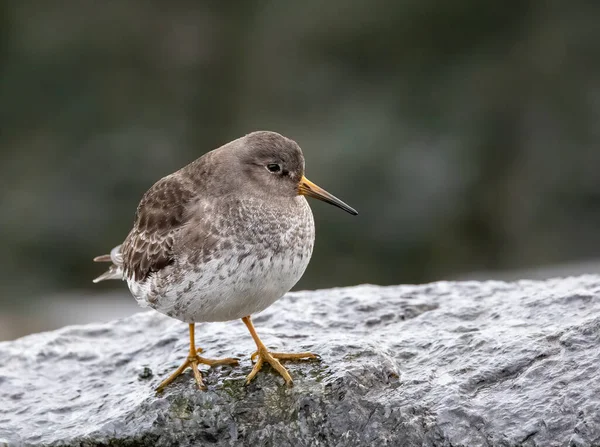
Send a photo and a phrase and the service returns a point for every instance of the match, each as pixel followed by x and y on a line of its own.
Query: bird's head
pixel 274 165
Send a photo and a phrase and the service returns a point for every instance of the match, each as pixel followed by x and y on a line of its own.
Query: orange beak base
pixel 308 188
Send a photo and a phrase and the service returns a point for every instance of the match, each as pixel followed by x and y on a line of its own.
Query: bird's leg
pixel 192 361
pixel 263 355
pixel 195 352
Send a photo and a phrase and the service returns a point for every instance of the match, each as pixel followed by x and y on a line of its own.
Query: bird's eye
pixel 273 167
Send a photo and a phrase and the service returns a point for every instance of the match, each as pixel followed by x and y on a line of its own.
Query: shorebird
pixel 222 239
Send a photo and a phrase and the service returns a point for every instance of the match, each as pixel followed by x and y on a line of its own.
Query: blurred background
pixel 465 132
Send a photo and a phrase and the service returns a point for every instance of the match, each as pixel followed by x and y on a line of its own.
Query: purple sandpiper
pixel 223 238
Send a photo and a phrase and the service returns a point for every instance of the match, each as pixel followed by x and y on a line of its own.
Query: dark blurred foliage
pixel 465 132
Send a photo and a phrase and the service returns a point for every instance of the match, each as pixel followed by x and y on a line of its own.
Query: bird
pixel 222 239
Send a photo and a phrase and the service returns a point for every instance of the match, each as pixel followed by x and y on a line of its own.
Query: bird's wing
pixel 160 215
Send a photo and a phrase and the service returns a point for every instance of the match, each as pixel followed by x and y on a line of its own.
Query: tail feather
pixel 115 271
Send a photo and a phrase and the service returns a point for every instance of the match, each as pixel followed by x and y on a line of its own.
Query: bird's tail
pixel 115 271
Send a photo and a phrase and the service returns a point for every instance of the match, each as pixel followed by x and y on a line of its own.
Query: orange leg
pixel 263 355
pixel 193 360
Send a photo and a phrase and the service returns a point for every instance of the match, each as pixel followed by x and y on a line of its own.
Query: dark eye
pixel 273 167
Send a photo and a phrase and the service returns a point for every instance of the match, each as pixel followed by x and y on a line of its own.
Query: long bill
pixel 308 188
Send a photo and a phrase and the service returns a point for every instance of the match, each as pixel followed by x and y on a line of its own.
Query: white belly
pixel 235 284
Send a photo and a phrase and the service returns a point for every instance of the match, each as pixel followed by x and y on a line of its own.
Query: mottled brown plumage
pixel 160 216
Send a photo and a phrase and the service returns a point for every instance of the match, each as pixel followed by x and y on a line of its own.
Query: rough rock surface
pixel 445 364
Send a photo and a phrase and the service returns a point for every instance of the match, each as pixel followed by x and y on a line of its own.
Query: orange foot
pixel 193 360
pixel 272 358
pixel 263 355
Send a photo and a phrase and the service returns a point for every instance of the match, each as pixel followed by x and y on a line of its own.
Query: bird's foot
pixel 272 358
pixel 193 361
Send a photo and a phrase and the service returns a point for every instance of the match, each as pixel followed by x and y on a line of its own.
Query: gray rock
pixel 445 364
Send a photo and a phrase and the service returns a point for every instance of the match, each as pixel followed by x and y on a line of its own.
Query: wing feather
pixel 160 215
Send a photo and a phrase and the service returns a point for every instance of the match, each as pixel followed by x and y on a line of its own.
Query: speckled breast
pixel 254 253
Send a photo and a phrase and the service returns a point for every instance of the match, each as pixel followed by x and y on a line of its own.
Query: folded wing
pixel 160 215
